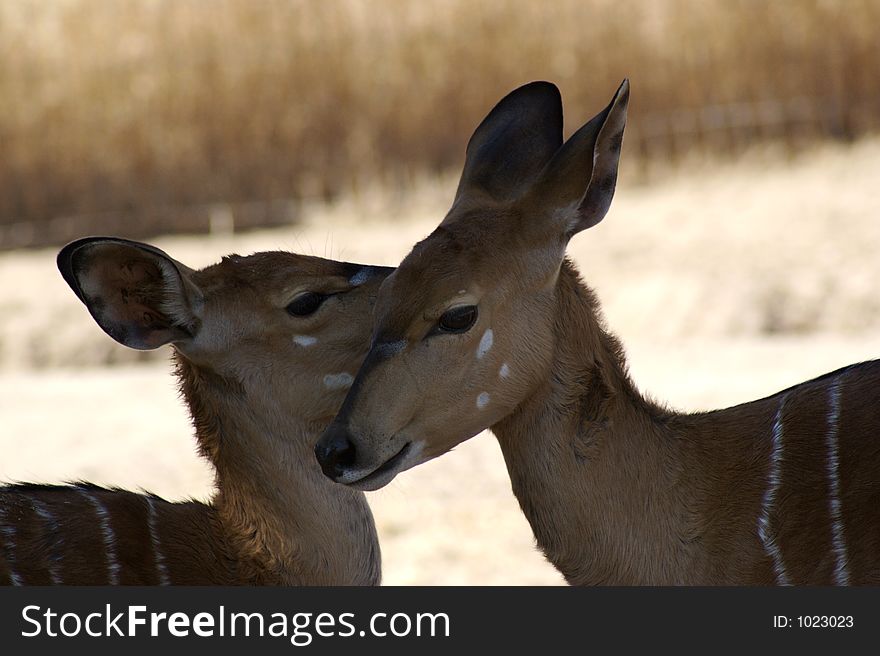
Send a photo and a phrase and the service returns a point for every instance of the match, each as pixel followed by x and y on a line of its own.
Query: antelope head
pixel 279 336
pixel 463 329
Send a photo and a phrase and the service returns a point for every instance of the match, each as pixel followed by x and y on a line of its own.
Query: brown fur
pixel 257 402
pixel 617 489
pixel 669 498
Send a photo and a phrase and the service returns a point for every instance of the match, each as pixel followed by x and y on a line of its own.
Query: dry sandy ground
pixel 725 284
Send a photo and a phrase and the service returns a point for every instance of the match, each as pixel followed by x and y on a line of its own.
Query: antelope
pixel 486 324
pixel 264 347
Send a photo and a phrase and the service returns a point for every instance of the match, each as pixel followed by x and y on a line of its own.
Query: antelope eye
pixel 305 304
pixel 458 319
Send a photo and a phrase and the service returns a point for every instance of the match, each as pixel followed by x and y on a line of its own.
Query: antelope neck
pixel 276 508
pixel 594 465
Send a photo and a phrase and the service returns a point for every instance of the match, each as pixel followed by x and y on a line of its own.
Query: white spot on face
pixel 305 340
pixel 483 400
pixel 360 277
pixel 485 343
pixel 504 372
pixel 338 381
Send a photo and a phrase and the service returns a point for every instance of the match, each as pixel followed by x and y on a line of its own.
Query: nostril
pixel 345 456
pixel 335 451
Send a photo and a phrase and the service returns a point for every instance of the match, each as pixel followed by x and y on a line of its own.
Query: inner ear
pixel 578 183
pixel 136 293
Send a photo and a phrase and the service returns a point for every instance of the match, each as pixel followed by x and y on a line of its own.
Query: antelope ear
pixel 135 292
pixel 582 176
pixel 513 143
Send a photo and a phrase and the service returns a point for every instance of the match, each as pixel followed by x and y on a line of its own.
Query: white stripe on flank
pixel 109 537
pixel 161 569
pixel 841 574
pixel 774 481
pixel 52 530
pixel 7 532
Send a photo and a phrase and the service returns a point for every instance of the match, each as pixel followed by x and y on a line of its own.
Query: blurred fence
pixel 730 128
pixel 140 117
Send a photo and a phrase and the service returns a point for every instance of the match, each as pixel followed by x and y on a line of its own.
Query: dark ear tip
pixel 538 93
pixel 540 89
pixel 623 91
pixel 545 86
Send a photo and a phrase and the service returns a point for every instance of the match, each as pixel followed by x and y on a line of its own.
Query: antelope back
pixel 86 535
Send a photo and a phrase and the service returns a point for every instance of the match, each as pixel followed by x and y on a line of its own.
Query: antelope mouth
pixel 384 473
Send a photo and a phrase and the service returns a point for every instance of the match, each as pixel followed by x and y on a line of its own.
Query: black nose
pixel 335 451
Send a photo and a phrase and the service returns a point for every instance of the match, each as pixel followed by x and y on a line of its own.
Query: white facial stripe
pixel 360 277
pixel 54 534
pixel 841 574
pixel 161 569
pixel 774 481
pixel 504 372
pixel 305 340
pixel 485 343
pixel 109 538
pixel 338 381
pixel 483 400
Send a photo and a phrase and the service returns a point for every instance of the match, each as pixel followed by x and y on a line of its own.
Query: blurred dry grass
pixel 726 282
pixel 132 105
pixel 753 248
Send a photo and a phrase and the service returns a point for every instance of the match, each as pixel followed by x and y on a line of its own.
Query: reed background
pixel 153 116
pixel 739 257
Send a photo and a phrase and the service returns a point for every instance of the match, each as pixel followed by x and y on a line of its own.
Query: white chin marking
pixel 338 381
pixel 483 400
pixel 305 340
pixel 485 343
pixel 504 372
